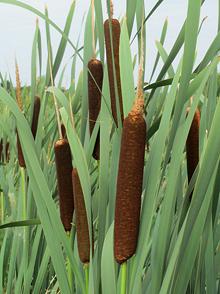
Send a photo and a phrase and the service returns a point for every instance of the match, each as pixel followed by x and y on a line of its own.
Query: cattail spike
pixel 21 160
pixel 95 78
pixel 116 31
pixel 192 146
pixel 20 105
pixel 63 162
pixel 129 185
pixel 18 87
pixel 82 228
pixel 35 118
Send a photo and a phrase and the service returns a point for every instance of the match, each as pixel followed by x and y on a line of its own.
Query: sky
pixel 17 28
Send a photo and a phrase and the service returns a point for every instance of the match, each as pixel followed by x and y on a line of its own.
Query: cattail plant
pixel 63 162
pixel 130 177
pixel 35 118
pixel 112 32
pixel 20 105
pixel 95 80
pixel 192 146
pixel 82 228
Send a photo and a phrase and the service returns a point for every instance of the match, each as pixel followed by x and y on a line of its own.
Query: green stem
pixel 69 270
pixel 24 215
pixel 123 277
pixel 86 269
pixel 2 207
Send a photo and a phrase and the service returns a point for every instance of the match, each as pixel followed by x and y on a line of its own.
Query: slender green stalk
pixel 123 277
pixel 69 270
pixel 2 207
pixel 24 214
pixel 86 269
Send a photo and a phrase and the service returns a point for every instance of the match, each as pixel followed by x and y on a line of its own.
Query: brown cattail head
pixel 21 160
pixel 95 78
pixel 18 87
pixel 82 228
pixel 35 118
pixel 116 30
pixel 63 162
pixel 129 184
pixel 192 145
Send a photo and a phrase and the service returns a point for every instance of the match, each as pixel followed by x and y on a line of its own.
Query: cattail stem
pixel 111 9
pixel 24 213
pixel 93 27
pixel 1 149
pixel 86 270
pixel 123 277
pixel 2 207
pixel 69 269
pixel 55 100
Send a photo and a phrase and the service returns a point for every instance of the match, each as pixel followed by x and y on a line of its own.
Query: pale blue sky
pixel 17 28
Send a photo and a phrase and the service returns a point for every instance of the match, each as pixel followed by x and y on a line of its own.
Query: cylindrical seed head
pixel 129 186
pixel 116 30
pixel 94 96
pixel 63 162
pixel 192 145
pixel 35 118
pixel 82 228
pixel 21 160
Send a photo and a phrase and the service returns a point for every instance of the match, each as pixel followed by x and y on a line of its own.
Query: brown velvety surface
pixel 116 31
pixel 94 97
pixel 63 162
pixel 129 187
pixel 82 228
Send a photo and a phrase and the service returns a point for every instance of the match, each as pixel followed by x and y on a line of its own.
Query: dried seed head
pixel 21 160
pixel 63 162
pixel 35 116
pixel 129 187
pixel 82 228
pixel 116 31
pixel 192 145
pixel 94 96
pixel 18 87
